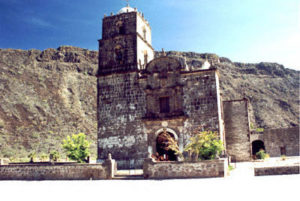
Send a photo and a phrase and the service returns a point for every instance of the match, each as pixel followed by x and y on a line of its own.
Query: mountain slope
pixel 47 95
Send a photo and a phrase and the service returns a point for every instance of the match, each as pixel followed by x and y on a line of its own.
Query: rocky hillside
pixel 47 95
pixel 273 90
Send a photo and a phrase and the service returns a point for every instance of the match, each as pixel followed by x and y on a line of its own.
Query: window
pixel 282 151
pixel 145 58
pixel 164 104
pixel 118 55
pixel 145 33
pixel 122 30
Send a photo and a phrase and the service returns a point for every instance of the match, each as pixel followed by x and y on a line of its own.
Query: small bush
pixel 230 167
pixel 54 156
pixel 259 130
pixel 262 154
pixel 43 157
pixel 206 145
pixel 32 157
pixel 77 147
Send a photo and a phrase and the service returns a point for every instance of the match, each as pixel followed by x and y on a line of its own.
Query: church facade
pixel 141 97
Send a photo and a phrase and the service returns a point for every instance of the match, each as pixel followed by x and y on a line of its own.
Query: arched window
pixel 121 27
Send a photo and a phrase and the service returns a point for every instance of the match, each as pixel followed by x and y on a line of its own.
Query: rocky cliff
pixel 47 95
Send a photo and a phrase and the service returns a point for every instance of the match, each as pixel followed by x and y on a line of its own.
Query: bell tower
pixel 126 42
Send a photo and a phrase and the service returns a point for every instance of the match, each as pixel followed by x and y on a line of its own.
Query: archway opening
pixel 256 146
pixel 163 142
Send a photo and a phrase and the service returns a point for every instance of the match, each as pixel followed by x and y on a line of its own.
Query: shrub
pixel 262 154
pixel 54 156
pixel 259 130
pixel 44 156
pixel 206 145
pixel 77 147
pixel 32 157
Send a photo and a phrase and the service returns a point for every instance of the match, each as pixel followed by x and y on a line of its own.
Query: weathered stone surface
pixel 126 43
pixel 272 90
pixel 171 170
pixel 276 139
pixel 280 170
pixel 237 129
pixel 134 98
pixel 58 171
pixel 45 96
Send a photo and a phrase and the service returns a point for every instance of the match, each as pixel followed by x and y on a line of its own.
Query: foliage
pixel 44 156
pixel 54 156
pixel 168 143
pixel 259 130
pixel 77 147
pixel 283 157
pixel 206 145
pixel 261 154
pixel 32 156
pixel 172 143
pixel 251 126
pixel 230 167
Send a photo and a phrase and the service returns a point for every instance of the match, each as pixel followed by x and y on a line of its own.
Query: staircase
pixel 129 175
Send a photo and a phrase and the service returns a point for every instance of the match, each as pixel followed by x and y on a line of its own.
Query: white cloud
pixel 38 22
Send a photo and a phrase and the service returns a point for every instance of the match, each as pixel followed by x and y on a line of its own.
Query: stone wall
pixel 58 171
pixel 200 102
pixel 277 170
pixel 171 170
pixel 122 104
pixel 277 139
pixel 237 129
pixel 126 43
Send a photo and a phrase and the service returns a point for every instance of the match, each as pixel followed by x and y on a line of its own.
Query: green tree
pixel 77 147
pixel 206 145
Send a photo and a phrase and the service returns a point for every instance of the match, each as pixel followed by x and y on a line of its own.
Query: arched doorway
pixel 257 145
pixel 163 141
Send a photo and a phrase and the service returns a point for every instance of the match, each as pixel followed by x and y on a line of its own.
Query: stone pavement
pixel 242 170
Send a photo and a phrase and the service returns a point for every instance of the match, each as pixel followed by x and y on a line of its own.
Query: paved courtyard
pixel 240 185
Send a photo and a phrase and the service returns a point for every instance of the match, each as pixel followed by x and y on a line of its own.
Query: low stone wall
pixel 58 171
pixel 4 161
pixel 170 170
pixel 280 170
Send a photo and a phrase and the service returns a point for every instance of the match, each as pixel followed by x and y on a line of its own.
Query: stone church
pixel 140 97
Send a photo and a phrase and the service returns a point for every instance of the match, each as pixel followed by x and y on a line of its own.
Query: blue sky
pixel 242 30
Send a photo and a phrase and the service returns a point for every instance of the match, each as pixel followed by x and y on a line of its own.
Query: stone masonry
pixel 277 142
pixel 138 100
pixel 140 97
pixel 237 129
pixel 171 170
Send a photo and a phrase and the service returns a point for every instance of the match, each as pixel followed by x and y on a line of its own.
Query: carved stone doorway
pixel 163 141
